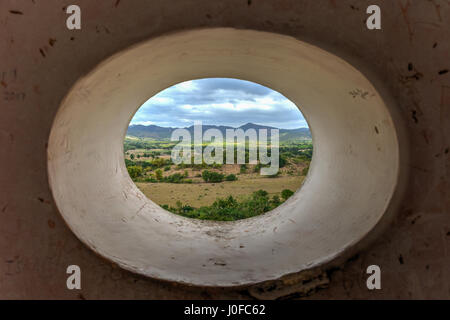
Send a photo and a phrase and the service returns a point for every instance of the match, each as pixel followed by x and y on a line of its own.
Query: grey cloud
pixel 282 113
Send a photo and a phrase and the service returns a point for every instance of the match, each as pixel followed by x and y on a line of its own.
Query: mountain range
pixel 164 133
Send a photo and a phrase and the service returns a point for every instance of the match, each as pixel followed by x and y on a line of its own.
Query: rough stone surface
pixel 41 60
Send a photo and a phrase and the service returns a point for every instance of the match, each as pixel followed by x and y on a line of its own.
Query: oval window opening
pixel 355 168
pixel 218 149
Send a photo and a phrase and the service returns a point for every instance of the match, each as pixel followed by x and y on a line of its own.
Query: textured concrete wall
pixel 41 60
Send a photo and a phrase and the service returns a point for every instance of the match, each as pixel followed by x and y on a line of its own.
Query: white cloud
pixel 219 101
pixel 186 86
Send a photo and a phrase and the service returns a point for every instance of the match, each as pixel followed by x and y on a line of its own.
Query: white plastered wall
pixel 351 182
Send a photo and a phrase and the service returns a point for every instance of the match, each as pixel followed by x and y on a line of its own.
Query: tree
pixel 159 174
pixel 158 162
pixel 276 200
pixel 134 171
pixel 229 209
pixel 205 175
pixel 129 163
pixel 211 176
pixel 132 156
pixel 286 193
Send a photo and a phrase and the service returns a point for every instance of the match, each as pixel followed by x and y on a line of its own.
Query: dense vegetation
pixel 230 209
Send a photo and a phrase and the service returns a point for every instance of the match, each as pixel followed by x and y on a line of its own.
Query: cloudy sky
pixel 219 101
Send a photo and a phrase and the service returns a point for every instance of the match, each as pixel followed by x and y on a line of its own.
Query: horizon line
pixel 217 125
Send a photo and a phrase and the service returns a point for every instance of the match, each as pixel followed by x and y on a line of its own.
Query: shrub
pixel 276 200
pixel 257 167
pixel 129 163
pixel 134 171
pixel 231 177
pixel 159 162
pixel 228 209
pixel 211 176
pixel 159 174
pixel 174 178
pixel 286 193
